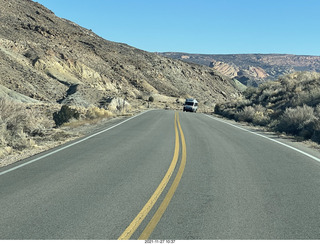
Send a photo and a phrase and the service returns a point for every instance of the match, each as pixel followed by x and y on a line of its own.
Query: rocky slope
pixel 252 69
pixel 53 60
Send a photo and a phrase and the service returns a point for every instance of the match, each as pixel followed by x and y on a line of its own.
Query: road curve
pixel 228 183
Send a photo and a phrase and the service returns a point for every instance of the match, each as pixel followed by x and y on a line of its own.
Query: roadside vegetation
pixel 25 127
pixel 288 105
pixel 20 124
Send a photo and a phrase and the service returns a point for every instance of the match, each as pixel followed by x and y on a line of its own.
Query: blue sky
pixel 201 26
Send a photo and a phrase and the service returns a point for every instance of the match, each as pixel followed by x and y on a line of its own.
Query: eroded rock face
pixel 252 69
pixel 117 104
pixel 225 68
pixel 250 76
pixel 45 57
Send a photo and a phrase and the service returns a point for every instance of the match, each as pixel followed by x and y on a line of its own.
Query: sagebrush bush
pixel 246 114
pixel 298 77
pixel 291 104
pixel 309 96
pixel 257 115
pixel 297 120
pixel 316 131
pixel 19 124
pixel 65 115
pixel 261 116
pixel 249 92
pixel 225 110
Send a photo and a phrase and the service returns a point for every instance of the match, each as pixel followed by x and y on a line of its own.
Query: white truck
pixel 190 105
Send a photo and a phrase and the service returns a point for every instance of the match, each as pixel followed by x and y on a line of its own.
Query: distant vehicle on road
pixel 190 105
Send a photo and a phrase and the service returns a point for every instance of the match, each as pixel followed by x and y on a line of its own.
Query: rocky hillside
pixel 53 60
pixel 252 69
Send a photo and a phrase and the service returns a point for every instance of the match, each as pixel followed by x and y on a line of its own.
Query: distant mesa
pixel 252 69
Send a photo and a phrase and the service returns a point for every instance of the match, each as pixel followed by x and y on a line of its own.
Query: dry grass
pixel 19 124
pixel 90 116
pixel 98 113
pixel 27 129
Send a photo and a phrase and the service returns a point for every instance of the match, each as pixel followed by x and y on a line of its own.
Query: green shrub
pixel 316 132
pixel 151 99
pixel 261 116
pixel 246 114
pixel 291 104
pixel 249 92
pixel 218 109
pixel 298 121
pixel 65 115
pixel 225 111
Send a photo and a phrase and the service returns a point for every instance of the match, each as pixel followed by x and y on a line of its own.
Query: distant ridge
pixel 252 69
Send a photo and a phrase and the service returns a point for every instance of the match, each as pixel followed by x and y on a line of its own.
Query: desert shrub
pixel 261 116
pixel 3 132
pixel 218 109
pixel 15 124
pixel 317 111
pixel 246 114
pixel 151 99
pixel 276 96
pixel 316 131
pixel 311 97
pixel 241 103
pixel 270 94
pixel 250 92
pixel 19 123
pixel 95 113
pixel 253 114
pixel 65 115
pixel 226 110
pixel 299 77
pixel 298 121
pixel 291 104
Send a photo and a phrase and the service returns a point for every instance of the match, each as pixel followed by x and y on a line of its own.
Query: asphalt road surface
pixel 165 175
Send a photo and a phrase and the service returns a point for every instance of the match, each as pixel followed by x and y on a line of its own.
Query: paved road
pixel 164 175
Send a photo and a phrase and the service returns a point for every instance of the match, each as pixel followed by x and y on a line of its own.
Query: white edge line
pixel 70 145
pixel 281 143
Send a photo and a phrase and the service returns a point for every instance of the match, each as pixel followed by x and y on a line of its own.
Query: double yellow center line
pixel 153 199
